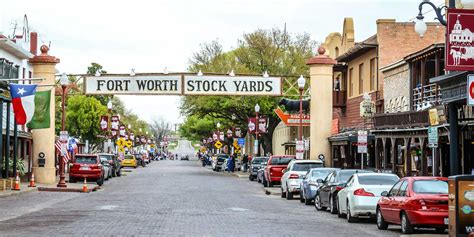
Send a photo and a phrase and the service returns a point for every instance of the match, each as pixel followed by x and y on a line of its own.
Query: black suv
pixel 114 162
pixel 255 165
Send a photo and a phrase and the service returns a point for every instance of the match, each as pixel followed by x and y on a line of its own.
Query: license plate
pixel 85 168
pixel 446 221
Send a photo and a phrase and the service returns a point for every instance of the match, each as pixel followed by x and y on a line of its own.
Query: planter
pixel 3 184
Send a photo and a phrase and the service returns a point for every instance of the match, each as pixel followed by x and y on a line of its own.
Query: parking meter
pixel 461 205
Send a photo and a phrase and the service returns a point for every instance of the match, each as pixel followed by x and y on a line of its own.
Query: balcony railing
pixel 402 119
pixel 426 96
pixel 339 98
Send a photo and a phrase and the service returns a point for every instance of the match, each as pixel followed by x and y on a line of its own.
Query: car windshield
pixel 129 157
pixel 86 159
pixel 281 160
pixel 108 157
pixel 259 160
pixel 378 179
pixel 321 174
pixel 221 158
pixel 306 166
pixel 430 186
pixel 346 174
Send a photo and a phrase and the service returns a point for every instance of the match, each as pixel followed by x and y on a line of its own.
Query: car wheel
pixel 407 228
pixel 339 212
pixel 283 194
pixel 100 181
pixel 332 206
pixel 381 224
pixel 317 203
pixel 114 173
pixel 289 196
pixel 251 177
pixel 301 197
pixel 72 179
pixel 264 181
pixel 307 201
pixel 349 216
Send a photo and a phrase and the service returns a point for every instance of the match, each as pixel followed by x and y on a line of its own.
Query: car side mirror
pixel 320 181
pixel 384 194
pixel 284 171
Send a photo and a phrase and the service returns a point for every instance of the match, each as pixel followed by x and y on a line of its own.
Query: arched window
pixel 336 50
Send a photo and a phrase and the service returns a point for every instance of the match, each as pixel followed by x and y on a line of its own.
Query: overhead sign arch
pixel 182 84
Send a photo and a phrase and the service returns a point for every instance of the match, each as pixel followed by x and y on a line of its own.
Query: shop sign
pixel 228 85
pixel 470 90
pixel 459 53
pixel 241 141
pixel 293 119
pixel 434 118
pixel 367 107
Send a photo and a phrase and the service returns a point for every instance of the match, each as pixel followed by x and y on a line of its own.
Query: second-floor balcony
pixel 339 99
pixel 402 119
pixel 425 97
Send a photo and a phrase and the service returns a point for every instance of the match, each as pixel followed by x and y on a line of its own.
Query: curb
pixel 13 193
pixel 272 191
pixel 68 190
pixel 240 175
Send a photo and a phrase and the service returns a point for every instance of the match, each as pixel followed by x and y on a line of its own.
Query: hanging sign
pixel 229 133
pixel 238 133
pixel 228 85
pixel 459 53
pixel 367 107
pixel 262 125
pixel 470 89
pixel 104 123
pixel 292 119
pixel 221 136
pixel 252 125
pixel 136 85
pixel 115 123
pixel 122 130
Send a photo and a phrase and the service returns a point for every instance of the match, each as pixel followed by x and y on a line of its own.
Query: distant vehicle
pixel 255 165
pixel 361 193
pixel 140 161
pixel 261 173
pixel 130 161
pixel 309 185
pixel 294 174
pixel 186 157
pixel 273 171
pixel 217 163
pixel 114 162
pixel 107 168
pixel 87 166
pixel 329 187
pixel 415 202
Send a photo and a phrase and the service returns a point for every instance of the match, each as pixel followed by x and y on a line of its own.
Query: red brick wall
pixel 350 116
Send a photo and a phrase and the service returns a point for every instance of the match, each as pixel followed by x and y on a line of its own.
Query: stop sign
pixel 470 90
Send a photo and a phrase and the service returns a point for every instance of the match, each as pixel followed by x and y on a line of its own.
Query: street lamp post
pixel 218 135
pixel 301 83
pixel 64 83
pixel 109 128
pixel 257 122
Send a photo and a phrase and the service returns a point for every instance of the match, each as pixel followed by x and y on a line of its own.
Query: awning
pixel 450 75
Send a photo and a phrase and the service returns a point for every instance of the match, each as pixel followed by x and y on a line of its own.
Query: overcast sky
pixel 151 35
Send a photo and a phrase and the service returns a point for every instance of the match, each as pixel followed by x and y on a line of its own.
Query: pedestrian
pixel 234 158
pixel 245 160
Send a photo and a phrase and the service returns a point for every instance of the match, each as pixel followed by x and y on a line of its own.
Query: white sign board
pixel 299 155
pixel 255 147
pixel 127 85
pixel 299 146
pixel 362 142
pixel 63 136
pixel 470 89
pixel 237 85
pixel 432 137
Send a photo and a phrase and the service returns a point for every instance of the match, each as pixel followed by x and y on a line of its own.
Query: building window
pixel 361 78
pixel 351 83
pixel 337 51
pixel 372 74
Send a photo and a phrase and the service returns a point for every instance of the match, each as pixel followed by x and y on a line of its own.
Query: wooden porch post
pixel 385 153
pixel 407 156
pixel 424 165
pixel 377 155
pixel 394 155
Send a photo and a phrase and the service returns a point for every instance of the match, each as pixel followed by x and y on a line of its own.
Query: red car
pixel 415 202
pixel 87 166
pixel 273 170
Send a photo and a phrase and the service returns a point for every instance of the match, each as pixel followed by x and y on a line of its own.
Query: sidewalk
pixel 239 174
pixel 23 189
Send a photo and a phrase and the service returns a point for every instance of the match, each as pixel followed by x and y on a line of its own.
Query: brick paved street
pixel 172 198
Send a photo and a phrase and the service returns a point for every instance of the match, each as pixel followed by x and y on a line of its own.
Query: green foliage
pixel 273 50
pixel 20 166
pixel 94 67
pixel 82 117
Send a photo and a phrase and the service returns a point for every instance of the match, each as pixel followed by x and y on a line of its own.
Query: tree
pixel 160 128
pixel 273 50
pixel 196 127
pixel 83 115
pixel 91 70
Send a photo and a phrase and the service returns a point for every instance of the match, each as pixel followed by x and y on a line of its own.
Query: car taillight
pixel 339 188
pixel 419 204
pixel 362 192
pixel 294 176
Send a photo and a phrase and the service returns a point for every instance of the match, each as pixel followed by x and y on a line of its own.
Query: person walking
pixel 245 161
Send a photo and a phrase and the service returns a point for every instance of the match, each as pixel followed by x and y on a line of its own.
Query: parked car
pixel 273 171
pixel 309 185
pixel 87 166
pixel 415 202
pixel 294 174
pixel 218 162
pixel 130 161
pixel 261 173
pixel 329 187
pixel 114 162
pixel 361 193
pixel 184 157
pixel 107 168
pixel 255 165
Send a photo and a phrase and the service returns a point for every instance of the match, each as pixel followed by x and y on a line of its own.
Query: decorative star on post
pixel 21 91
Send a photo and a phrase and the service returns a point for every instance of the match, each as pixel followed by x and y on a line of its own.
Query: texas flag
pixel 23 100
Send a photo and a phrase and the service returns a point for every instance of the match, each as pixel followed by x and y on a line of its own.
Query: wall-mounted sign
pixel 182 84
pixel 292 119
pixel 367 107
pixel 470 89
pixel 459 53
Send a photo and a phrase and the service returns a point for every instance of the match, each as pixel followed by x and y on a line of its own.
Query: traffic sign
pixel 432 137
pixel 362 141
pixel 121 150
pixel 241 141
pixel 63 136
pixel 470 89
pixel 218 144
pixel 129 143
pixel 120 142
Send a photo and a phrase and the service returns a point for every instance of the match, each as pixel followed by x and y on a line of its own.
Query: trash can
pixel 461 205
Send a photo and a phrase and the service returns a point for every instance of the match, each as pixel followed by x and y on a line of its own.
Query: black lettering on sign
pixel 222 86
pixel 269 86
pixel 260 85
pixel 110 85
pixel 190 85
pixel 173 85
pixel 206 86
pixel 244 86
pixel 166 85
pixel 237 85
pixel 157 85
pixel 126 84
pixel 199 83
pixel 141 85
pixel 150 85
pixel 118 84
pixel 100 83
pixel 253 86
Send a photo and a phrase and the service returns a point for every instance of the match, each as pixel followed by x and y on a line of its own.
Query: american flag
pixel 66 156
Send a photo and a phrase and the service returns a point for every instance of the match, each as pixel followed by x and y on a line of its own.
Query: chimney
pixel 33 42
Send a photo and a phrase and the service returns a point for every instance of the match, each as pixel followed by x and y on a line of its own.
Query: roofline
pixel 393 65
pixel 10 46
